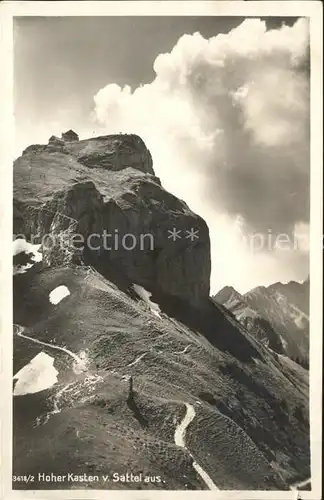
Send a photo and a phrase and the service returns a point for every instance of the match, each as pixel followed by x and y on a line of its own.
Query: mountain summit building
pixel 70 136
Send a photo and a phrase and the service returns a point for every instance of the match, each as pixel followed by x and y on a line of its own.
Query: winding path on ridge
pixel 19 331
pixel 180 440
pixel 301 484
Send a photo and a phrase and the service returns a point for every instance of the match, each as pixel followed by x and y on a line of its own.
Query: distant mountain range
pixel 278 315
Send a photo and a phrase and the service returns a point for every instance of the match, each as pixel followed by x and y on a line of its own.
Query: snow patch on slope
pixel 58 294
pixel 146 296
pixel 19 246
pixel 39 374
pixel 283 342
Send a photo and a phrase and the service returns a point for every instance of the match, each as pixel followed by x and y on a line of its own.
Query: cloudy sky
pixel 221 102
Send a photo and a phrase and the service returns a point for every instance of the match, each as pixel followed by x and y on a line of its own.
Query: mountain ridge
pixel 282 308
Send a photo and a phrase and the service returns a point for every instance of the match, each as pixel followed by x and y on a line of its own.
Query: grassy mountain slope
pixel 244 408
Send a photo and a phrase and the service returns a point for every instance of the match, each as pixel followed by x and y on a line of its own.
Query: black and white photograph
pixel 161 211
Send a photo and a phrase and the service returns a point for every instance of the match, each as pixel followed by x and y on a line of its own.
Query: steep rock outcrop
pixel 105 191
pixel 113 152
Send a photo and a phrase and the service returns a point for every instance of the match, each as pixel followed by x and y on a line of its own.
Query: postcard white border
pixel 310 9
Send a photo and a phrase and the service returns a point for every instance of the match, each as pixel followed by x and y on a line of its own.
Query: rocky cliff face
pixel 106 188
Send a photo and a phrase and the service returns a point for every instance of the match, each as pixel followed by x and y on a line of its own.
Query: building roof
pixel 70 133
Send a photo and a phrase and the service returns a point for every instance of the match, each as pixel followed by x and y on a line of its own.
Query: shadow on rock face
pixel 224 333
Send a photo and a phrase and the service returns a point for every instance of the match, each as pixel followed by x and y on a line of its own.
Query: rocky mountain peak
pixel 107 185
pixel 227 294
pixel 111 152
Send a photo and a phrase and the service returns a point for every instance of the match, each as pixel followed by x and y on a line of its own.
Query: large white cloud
pixel 227 122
